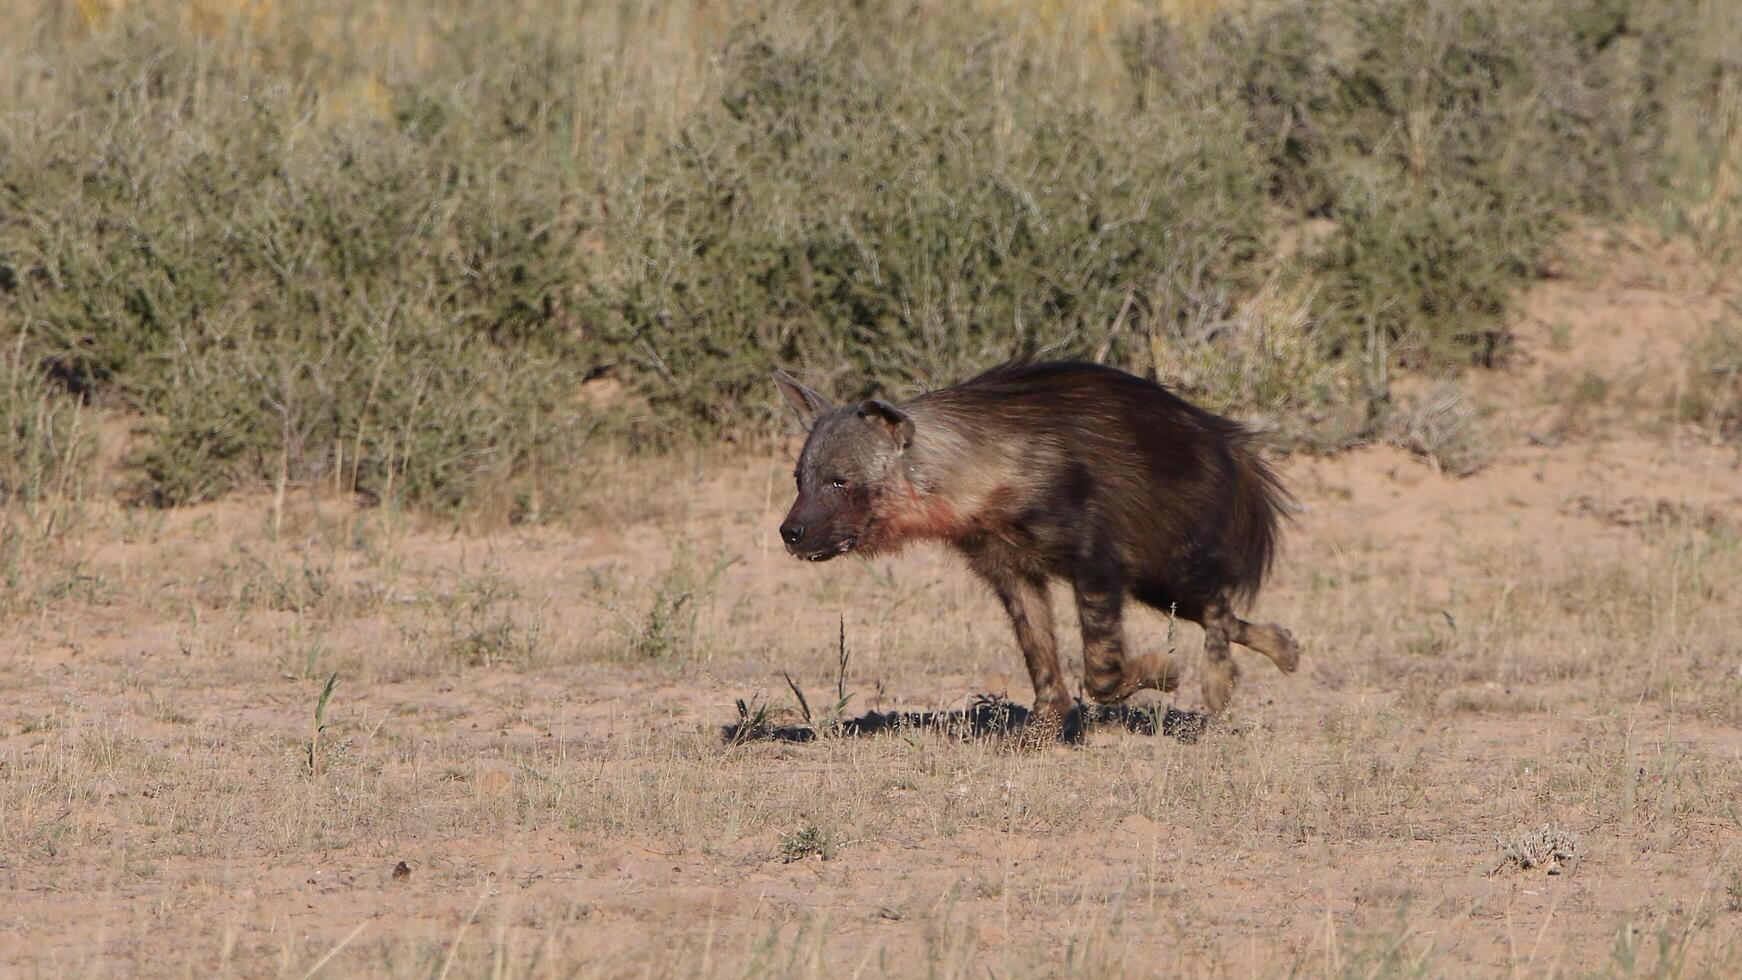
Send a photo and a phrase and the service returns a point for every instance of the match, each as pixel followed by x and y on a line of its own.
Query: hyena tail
pixel 1261 505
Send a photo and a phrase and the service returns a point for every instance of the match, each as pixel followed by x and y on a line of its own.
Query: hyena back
pixel 1069 471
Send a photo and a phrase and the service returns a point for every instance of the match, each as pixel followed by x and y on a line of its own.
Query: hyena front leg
pixel 1107 674
pixel 1221 674
pixel 1029 604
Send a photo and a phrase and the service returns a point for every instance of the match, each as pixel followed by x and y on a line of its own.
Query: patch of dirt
pixel 522 769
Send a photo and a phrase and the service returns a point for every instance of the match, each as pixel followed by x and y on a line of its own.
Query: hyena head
pixel 852 461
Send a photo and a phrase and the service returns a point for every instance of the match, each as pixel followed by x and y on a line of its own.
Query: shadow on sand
pixel 984 717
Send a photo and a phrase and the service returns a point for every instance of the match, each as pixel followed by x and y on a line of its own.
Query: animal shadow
pixel 985 717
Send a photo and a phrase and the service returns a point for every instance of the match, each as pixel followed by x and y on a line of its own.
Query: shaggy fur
pixel 1069 471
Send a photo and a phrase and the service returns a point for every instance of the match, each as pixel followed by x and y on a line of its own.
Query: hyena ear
pixel 895 421
pixel 807 403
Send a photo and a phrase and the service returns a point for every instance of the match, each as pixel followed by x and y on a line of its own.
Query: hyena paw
pixel 1167 678
pixel 1219 681
pixel 1156 671
pixel 1287 658
pixel 1075 727
pixel 1276 643
pixel 1152 671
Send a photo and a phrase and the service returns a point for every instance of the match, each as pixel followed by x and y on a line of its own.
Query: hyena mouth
pixel 833 552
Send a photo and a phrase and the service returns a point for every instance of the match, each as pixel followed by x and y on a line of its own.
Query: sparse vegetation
pixel 316 751
pixel 482 628
pixel 45 437
pixel 361 248
pixel 806 842
pixel 1549 848
pixel 663 626
pixel 575 768
pixel 1713 397
pixel 1445 428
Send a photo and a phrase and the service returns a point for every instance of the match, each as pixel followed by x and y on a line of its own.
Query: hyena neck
pixel 905 513
pixel 932 495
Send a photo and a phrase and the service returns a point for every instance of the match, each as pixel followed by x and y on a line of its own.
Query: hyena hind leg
pixel 1109 675
pixel 1271 640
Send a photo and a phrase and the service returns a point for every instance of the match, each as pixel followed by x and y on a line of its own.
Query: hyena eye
pixel 838 484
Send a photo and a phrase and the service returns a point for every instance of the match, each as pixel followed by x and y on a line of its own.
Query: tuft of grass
pixel 1547 847
pixel 830 721
pixel 481 628
pixel 45 435
pixel 1674 950
pixel 807 842
pixel 1446 428
pixel 315 750
pixel 1394 950
pixel 1713 394
pixel 753 723
pixel 666 626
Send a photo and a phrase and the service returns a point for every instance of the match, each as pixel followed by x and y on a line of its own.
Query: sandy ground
pixel 1515 744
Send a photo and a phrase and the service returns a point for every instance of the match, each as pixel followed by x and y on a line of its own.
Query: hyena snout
pixel 816 535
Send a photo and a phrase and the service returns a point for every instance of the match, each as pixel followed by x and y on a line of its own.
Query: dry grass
pixel 1534 665
pixel 1483 661
pixel 1444 427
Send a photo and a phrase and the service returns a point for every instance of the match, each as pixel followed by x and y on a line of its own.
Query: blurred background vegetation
pixel 400 248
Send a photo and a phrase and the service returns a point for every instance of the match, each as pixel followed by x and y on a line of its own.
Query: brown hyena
pixel 1066 470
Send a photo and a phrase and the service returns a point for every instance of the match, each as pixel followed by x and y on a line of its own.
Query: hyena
pixel 1071 471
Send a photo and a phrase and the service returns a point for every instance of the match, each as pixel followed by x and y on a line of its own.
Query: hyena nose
pixel 792 532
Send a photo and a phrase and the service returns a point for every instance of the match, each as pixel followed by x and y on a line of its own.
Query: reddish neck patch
pixel 906 514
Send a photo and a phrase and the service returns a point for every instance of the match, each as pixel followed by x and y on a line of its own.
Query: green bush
pixel 1713 394
pixel 1445 143
pixel 892 229
pixel 380 246
pixel 378 298
pixel 45 437
pixel 896 227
